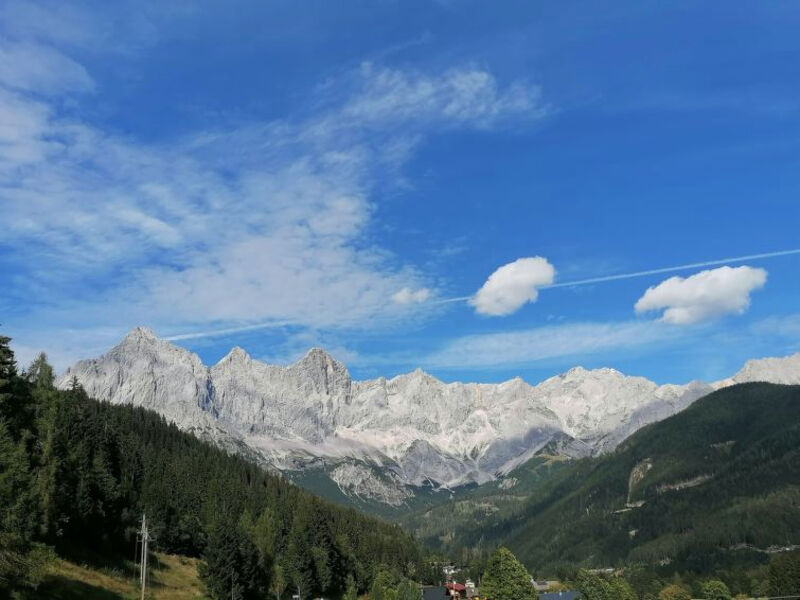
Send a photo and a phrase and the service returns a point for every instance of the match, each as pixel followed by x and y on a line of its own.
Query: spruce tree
pixel 40 373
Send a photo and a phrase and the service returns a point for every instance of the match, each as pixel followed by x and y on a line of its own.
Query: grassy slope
pixel 438 525
pixel 173 578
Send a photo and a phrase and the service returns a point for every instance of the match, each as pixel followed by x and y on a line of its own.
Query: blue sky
pixel 402 183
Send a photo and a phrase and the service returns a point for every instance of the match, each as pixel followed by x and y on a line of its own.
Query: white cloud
pixel 409 296
pixel 468 96
pixel 525 347
pixel 513 285
pixel 24 132
pixel 703 296
pixel 267 222
pixel 36 68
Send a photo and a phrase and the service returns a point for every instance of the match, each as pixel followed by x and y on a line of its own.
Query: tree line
pixel 77 474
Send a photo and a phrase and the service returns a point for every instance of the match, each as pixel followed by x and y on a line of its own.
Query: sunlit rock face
pixel 784 370
pixel 413 428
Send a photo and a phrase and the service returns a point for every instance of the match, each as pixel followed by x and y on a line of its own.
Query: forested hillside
pixel 76 476
pixel 715 485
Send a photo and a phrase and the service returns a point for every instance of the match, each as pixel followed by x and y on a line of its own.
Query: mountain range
pixel 385 440
pixel 712 489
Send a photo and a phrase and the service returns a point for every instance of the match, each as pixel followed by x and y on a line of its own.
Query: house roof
pixel 459 587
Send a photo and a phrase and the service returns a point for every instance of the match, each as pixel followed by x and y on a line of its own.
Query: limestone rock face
pixel 413 429
pixel 785 370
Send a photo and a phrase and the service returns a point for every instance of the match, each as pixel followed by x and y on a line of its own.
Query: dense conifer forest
pixel 76 475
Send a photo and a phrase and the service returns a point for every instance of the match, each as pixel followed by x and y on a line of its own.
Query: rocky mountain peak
pixel 317 359
pixel 423 376
pixel 140 334
pixel 236 355
pixel 416 426
pixel 577 371
pixel 784 370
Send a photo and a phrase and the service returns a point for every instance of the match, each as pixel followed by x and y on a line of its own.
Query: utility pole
pixel 144 533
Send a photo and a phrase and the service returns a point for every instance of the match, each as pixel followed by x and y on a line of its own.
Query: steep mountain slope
pixel 78 475
pixel 714 484
pixel 382 439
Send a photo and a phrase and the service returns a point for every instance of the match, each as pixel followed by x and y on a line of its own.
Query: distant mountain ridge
pixel 716 486
pixel 383 438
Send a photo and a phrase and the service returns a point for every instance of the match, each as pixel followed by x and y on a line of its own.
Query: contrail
pixel 708 263
pixel 215 332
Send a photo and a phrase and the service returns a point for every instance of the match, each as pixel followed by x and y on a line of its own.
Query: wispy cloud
pixel 36 68
pixel 525 347
pixel 234 228
pixel 465 96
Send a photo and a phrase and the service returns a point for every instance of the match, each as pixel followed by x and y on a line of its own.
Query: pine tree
pixel 299 560
pixel 8 368
pixel 219 572
pixel 22 562
pixel 15 403
pixel 40 373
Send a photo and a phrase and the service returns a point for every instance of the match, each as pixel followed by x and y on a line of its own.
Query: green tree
pixel 621 589
pixel 505 578
pixel 674 592
pixel 350 591
pixel 277 584
pixel 8 368
pixel 16 408
pixel 784 574
pixel 384 586
pixel 77 474
pixel 594 587
pixel 231 567
pixel 299 560
pixel 407 590
pixel 264 533
pixel 323 568
pixel 714 589
pixel 22 561
pixel 40 373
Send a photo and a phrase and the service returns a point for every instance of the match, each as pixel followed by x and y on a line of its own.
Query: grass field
pixel 172 578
